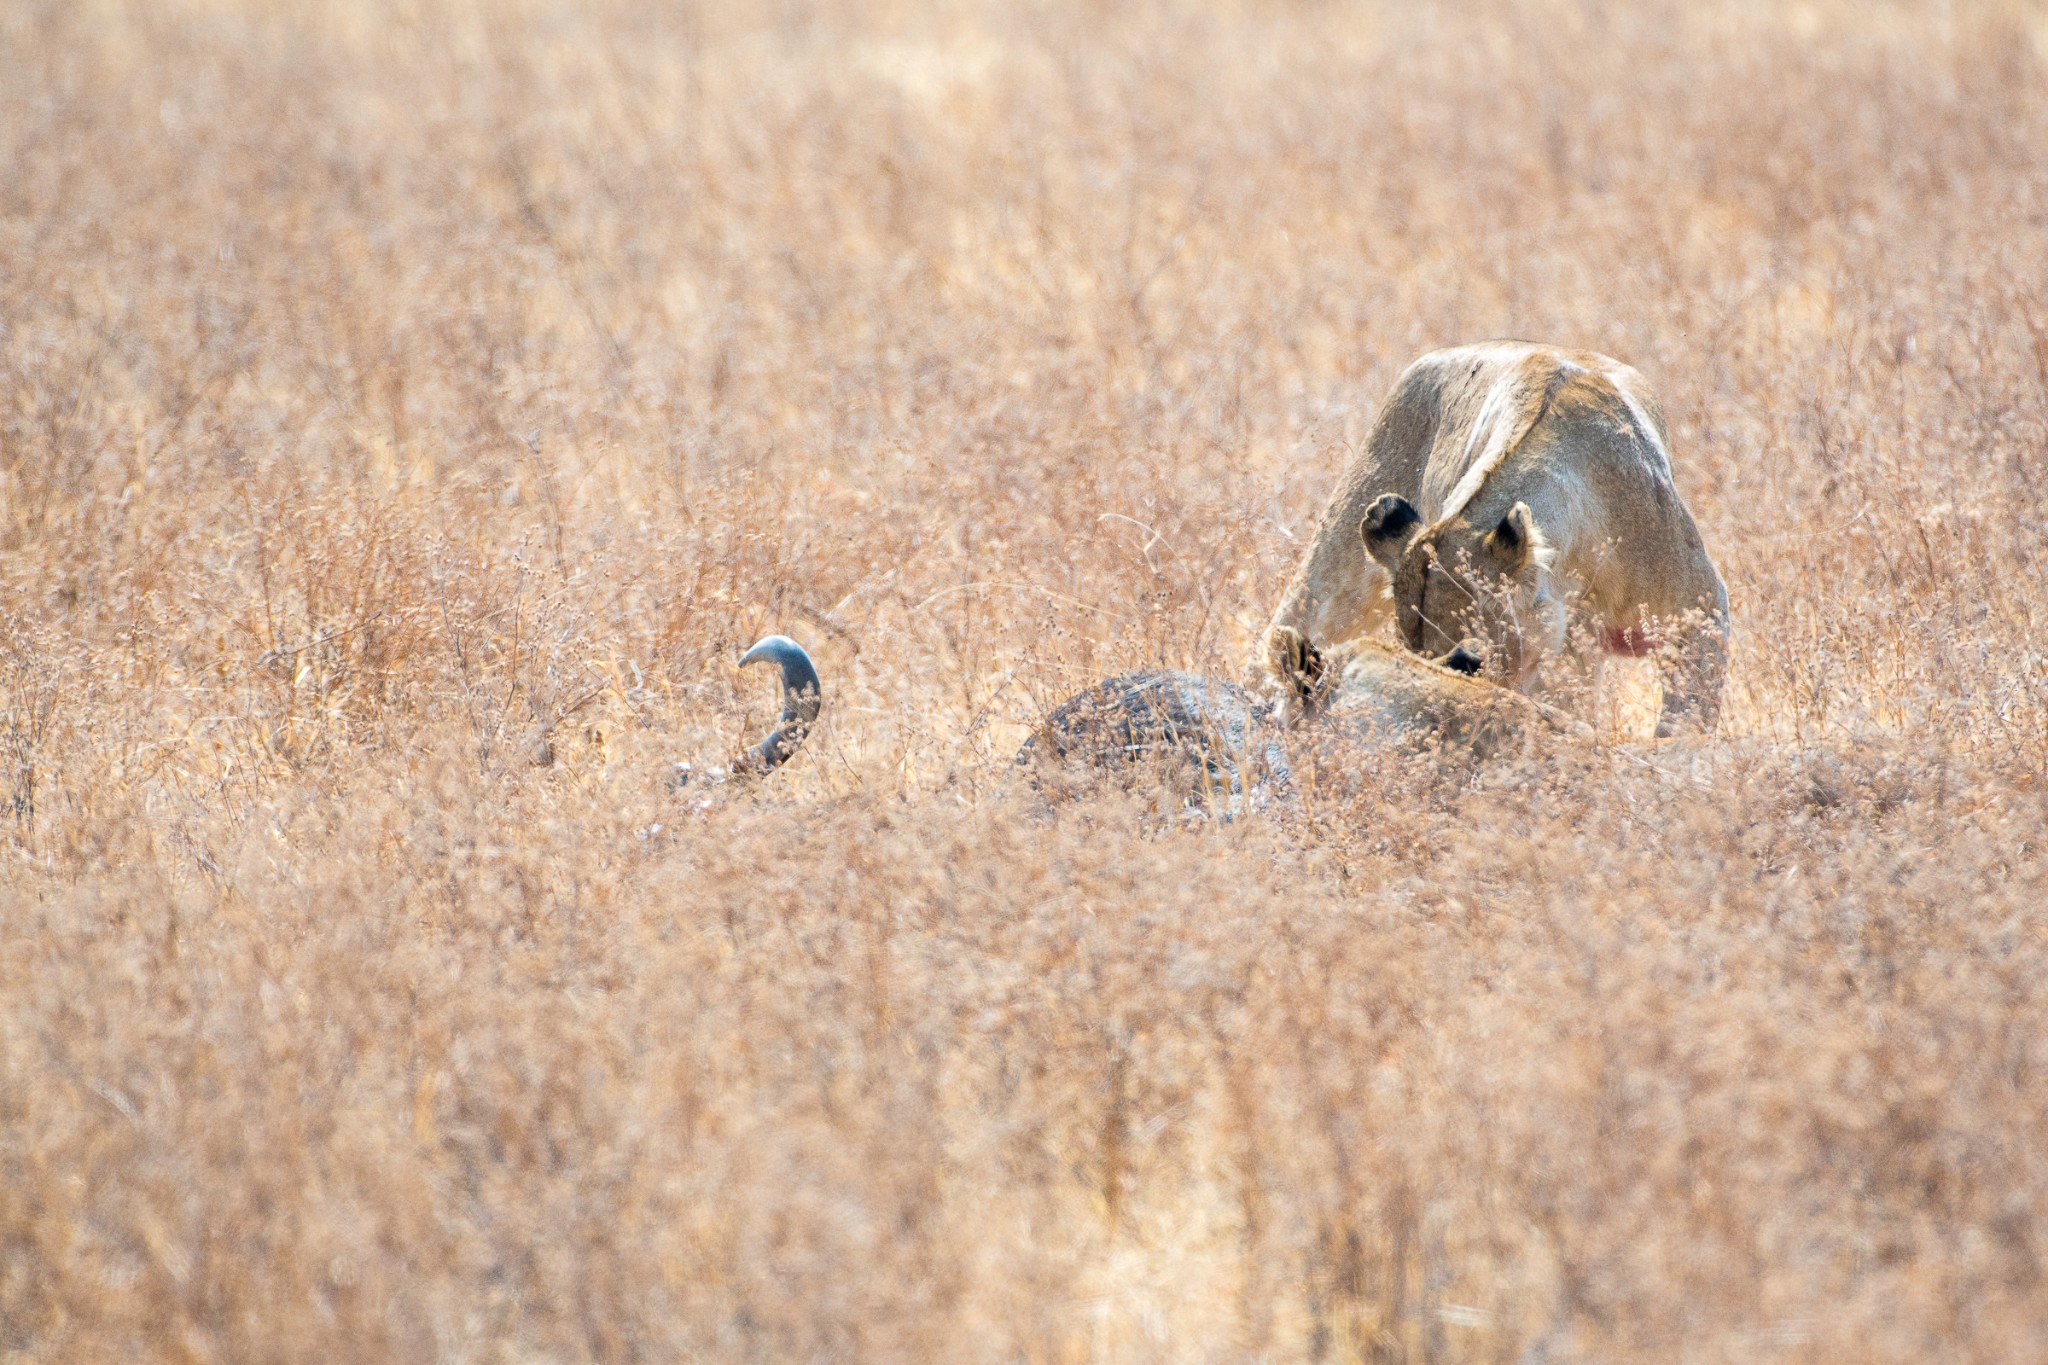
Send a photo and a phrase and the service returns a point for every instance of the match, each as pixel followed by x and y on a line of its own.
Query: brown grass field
pixel 408 410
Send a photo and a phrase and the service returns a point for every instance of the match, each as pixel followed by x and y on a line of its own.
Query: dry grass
pixel 395 395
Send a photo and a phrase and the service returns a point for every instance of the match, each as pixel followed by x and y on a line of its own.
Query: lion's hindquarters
pixel 1659 596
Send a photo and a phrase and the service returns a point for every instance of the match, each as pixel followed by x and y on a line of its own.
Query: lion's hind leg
pixel 1692 668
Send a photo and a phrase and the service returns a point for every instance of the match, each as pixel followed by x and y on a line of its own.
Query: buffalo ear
pixel 1386 528
pixel 1510 545
pixel 1463 660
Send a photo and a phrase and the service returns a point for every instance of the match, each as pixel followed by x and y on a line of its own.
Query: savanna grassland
pixel 408 410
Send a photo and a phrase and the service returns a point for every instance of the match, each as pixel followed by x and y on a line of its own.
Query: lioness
pixel 1220 747
pixel 1508 492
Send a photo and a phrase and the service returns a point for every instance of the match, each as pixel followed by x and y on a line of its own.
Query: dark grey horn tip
pixel 802 695
pixel 776 649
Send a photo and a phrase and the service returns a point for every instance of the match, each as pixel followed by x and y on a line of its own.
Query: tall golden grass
pixel 407 409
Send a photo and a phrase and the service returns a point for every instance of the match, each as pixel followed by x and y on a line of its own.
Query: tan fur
pixel 1373 691
pixel 1543 488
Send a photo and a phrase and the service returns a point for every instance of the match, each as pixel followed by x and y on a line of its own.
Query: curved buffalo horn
pixel 801 698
